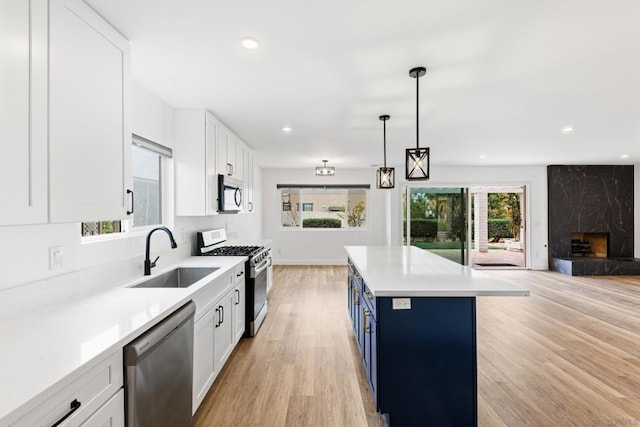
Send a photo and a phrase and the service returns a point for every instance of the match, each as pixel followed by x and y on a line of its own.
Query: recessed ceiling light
pixel 624 156
pixel 567 130
pixel 249 43
pixel 286 129
pixel 483 156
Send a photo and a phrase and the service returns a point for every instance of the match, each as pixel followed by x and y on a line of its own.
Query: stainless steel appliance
pixel 229 194
pixel 210 243
pixel 159 373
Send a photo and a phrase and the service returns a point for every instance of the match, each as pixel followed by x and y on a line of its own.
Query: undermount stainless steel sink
pixel 179 278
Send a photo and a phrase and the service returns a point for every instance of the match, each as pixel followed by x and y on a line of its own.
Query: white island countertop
pixel 408 271
pixel 44 348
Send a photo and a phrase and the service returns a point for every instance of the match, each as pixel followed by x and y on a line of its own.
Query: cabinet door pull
pixel 222 309
pixel 355 297
pixel 368 295
pixel 229 169
pixel 73 407
pixel 367 328
pixel 218 321
pixel 132 208
pixel 238 296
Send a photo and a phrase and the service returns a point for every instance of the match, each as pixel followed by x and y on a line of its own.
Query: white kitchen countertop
pixel 45 346
pixel 401 271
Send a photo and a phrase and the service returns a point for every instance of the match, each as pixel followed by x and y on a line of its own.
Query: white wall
pixel 24 250
pixel 319 246
pixel 385 210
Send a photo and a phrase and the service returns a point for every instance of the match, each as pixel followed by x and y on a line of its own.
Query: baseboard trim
pixel 341 261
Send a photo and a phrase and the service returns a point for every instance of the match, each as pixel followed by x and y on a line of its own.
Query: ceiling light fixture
pixel 417 159
pixel 385 175
pixel 249 43
pixel 286 129
pixel 567 130
pixel 325 170
pixel 624 156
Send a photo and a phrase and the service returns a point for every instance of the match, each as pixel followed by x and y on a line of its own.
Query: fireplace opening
pixel 594 245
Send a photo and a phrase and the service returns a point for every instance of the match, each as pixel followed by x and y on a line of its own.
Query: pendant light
pixel 325 170
pixel 385 175
pixel 417 159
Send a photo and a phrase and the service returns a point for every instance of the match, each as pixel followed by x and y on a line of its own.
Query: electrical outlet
pixel 55 258
pixel 401 303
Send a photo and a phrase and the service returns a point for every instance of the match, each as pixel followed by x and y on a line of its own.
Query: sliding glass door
pixel 435 219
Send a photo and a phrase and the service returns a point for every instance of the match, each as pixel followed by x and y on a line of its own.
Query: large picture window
pixel 334 207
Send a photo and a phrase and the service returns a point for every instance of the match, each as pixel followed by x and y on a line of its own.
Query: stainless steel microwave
pixel 229 194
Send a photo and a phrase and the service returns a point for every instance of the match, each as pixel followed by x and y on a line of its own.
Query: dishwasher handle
pixel 148 341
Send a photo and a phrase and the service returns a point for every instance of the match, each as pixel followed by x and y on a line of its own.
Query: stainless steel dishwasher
pixel 159 373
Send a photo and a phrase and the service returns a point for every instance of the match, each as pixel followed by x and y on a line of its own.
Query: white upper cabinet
pixel 238 172
pixel 230 153
pixel 89 108
pixel 225 151
pixel 195 152
pixel 249 174
pixel 204 149
pixel 23 113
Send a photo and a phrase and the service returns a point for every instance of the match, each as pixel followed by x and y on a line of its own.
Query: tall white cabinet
pixel 23 111
pixel 64 114
pixel 195 157
pixel 89 90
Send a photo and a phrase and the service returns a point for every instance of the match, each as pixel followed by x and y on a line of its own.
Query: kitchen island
pixel 414 319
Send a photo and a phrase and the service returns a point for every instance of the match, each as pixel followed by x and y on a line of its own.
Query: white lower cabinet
pixel 111 414
pixel 239 310
pixel 224 339
pixel 77 402
pixel 203 359
pixel 215 331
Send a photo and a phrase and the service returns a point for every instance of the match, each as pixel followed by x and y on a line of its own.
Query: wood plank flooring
pixel 569 355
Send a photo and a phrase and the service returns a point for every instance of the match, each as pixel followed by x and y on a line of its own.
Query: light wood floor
pixel 568 355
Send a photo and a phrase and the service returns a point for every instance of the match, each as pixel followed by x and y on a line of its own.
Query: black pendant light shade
pixel 417 159
pixel 385 176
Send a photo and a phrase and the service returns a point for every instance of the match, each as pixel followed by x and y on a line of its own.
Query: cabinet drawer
pixel 111 414
pixel 369 300
pixel 205 298
pixel 88 393
pixel 239 273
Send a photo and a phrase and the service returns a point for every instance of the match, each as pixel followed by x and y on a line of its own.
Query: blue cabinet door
pixel 369 350
pixel 350 294
pixel 373 359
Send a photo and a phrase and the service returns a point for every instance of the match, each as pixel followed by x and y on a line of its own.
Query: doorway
pixel 436 220
pixel 498 227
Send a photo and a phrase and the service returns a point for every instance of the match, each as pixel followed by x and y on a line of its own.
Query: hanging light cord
pixel 384 139
pixel 418 110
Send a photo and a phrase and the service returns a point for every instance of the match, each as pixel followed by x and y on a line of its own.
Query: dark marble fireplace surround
pixel 591 199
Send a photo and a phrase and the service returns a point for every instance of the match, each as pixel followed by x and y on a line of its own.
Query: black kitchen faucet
pixel 148 265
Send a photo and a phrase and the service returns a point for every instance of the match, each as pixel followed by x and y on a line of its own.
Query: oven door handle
pixel 262 266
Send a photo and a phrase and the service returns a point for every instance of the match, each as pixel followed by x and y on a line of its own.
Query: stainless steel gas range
pixel 211 243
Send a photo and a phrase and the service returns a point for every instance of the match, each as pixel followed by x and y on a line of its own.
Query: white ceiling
pixel 505 76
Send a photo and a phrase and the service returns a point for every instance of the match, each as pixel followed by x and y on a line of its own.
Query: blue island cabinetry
pixel 419 355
